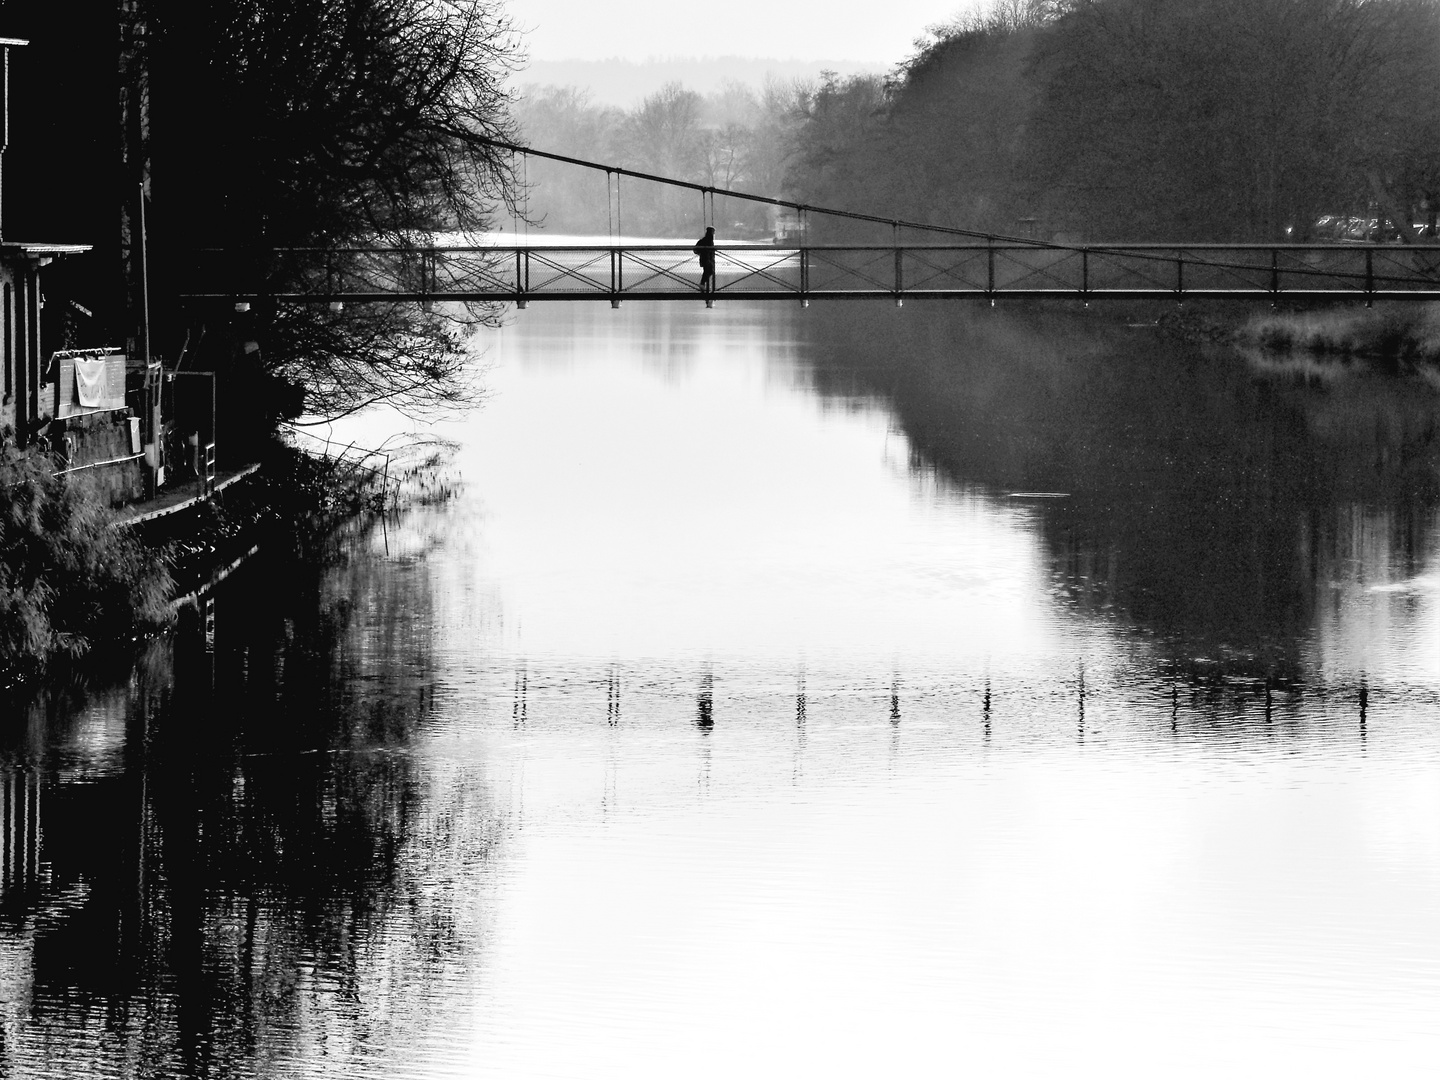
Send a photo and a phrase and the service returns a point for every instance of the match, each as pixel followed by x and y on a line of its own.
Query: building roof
pixel 40 251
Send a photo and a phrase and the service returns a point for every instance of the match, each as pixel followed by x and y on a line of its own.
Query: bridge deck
pixel 528 273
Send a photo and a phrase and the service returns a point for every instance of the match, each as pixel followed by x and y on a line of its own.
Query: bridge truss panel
pixel 763 272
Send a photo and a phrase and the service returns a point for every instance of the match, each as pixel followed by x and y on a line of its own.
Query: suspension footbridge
pixel 921 262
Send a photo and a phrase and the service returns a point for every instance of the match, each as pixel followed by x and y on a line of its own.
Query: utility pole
pixel 5 45
pixel 135 165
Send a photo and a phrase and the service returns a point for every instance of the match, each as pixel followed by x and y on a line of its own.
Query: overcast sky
pixel 779 29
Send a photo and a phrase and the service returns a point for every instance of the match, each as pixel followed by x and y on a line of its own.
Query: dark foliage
pixel 290 123
pixel 300 124
pixel 1219 120
pixel 327 123
pixel 67 579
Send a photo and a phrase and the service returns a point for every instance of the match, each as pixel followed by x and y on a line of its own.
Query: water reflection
pixel 1238 514
pixel 240 866
pixel 736 720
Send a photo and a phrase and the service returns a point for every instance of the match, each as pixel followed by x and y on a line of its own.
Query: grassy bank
pixel 1397 333
pixel 68 581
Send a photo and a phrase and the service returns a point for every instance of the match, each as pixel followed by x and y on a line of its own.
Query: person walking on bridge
pixel 705 248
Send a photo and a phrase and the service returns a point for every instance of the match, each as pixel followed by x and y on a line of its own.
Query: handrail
pixel 668 271
pixel 98 464
pixel 602 244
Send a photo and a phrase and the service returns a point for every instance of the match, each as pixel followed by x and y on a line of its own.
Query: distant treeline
pixel 736 138
pixel 1225 120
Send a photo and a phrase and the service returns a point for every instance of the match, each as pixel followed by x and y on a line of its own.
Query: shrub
pixel 1409 331
pixel 67 579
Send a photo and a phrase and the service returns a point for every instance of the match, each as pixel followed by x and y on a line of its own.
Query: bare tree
pixel 324 125
pixel 664 136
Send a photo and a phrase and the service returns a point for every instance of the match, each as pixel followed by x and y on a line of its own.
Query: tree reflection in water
pixel 1222 506
pixel 274 859
pixel 243 860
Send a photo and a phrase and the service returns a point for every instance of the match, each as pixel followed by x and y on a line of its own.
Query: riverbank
pixel 1396 333
pixel 76 580
pixel 288 505
pixel 1393 334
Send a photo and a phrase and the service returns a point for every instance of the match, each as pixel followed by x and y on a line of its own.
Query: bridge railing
pixel 574 272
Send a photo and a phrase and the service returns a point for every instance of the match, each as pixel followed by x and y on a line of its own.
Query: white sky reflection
pixel 934 822
pixel 708 509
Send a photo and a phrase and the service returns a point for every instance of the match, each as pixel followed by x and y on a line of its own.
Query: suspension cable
pixel 786 203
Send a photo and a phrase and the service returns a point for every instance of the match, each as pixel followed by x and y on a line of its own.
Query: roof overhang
pixel 11 251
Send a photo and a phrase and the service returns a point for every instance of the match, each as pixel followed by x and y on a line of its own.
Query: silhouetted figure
pixel 705 248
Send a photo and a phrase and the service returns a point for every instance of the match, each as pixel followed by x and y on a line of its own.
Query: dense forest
pixel 1224 120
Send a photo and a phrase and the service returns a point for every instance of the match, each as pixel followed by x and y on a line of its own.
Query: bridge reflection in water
pixel 974 270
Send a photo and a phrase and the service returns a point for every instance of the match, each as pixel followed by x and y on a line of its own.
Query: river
pixel 838 692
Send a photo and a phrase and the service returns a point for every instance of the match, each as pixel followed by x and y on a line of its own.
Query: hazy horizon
pixel 636 30
pixel 623 83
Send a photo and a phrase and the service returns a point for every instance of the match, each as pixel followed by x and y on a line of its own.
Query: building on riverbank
pixel 82 406
pixel 29 402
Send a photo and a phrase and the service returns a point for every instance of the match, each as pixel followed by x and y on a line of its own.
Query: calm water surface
pixel 785 694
